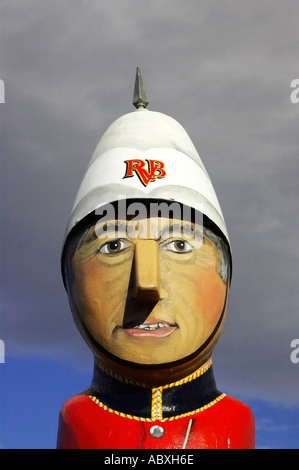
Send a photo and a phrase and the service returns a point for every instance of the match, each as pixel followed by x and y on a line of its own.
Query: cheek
pixel 100 291
pixel 95 280
pixel 88 285
pixel 210 297
pixel 91 302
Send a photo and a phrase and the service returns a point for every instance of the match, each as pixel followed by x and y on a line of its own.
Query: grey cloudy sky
pixel 222 69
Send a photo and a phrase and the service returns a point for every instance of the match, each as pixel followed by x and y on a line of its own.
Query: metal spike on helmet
pixel 139 98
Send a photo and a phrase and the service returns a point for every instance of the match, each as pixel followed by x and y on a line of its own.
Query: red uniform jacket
pixel 188 414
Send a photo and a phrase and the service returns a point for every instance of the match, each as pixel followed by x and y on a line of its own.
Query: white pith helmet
pixel 146 155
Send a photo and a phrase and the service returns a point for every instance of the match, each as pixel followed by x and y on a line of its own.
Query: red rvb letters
pixel 154 170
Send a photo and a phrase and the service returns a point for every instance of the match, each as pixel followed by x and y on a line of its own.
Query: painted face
pixel 148 293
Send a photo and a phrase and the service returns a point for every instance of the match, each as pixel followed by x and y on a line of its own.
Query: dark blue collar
pixel 183 396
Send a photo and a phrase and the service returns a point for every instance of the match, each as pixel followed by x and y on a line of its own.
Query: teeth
pixel 152 326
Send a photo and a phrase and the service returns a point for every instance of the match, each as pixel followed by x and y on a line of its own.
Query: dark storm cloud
pixel 221 68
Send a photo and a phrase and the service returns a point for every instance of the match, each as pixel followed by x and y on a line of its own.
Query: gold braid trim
pixel 138 418
pixel 118 413
pixel 156 410
pixel 190 377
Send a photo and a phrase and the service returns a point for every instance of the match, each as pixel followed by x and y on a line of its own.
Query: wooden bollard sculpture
pixel 147 267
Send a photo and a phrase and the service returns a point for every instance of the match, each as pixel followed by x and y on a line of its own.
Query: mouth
pixel 155 329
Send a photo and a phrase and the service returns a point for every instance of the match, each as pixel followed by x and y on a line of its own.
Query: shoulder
pixel 74 420
pixel 238 420
pixel 76 403
pixel 79 409
pixel 233 403
pixel 233 410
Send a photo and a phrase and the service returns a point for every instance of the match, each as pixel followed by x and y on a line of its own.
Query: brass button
pixel 156 431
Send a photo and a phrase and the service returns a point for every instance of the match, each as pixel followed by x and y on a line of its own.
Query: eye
pixel 179 246
pixel 113 247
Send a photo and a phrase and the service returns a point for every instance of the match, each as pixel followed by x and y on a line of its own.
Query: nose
pixel 147 271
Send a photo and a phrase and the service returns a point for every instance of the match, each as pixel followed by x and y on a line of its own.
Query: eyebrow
pixel 106 227
pixel 89 237
pixel 185 228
